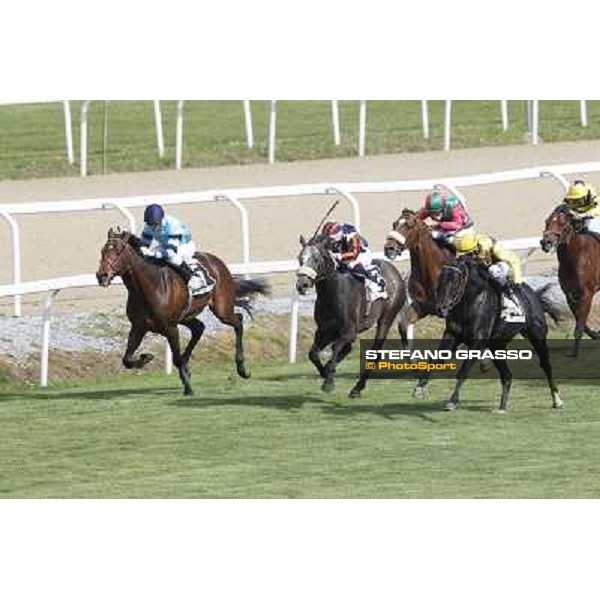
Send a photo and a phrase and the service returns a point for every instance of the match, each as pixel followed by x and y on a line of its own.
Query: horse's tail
pixel 547 305
pixel 246 289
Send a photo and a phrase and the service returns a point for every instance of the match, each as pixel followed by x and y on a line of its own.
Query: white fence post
pixel 447 124
pixel 362 127
pixel 83 144
pixel 583 112
pixel 293 345
pixel 160 140
pixel 68 131
pixel 535 122
pixel 504 111
pixel 16 252
pixel 46 317
pixel 272 128
pixel 335 122
pixel 179 135
pixel 351 199
pixel 425 118
pixel 124 211
pixel 248 122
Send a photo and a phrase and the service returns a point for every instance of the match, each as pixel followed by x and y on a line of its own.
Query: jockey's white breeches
pixel 500 272
pixel 592 225
pixel 183 253
pixel 451 236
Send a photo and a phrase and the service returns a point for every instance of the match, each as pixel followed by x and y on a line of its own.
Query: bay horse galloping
pixel 578 267
pixel 158 301
pixel 427 258
pixel 471 305
pixel 341 308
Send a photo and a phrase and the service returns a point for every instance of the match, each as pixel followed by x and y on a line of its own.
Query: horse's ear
pixel 302 240
pixel 110 233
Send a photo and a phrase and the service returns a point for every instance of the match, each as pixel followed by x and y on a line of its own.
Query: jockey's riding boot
pixel 196 279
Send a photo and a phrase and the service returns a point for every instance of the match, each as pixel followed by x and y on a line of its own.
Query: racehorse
pixel 471 305
pixel 341 308
pixel 158 301
pixel 427 258
pixel 578 267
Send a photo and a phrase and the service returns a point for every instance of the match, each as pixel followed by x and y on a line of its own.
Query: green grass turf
pixel 33 135
pixel 278 436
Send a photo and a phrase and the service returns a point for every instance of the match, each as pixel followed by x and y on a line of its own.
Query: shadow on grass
pixel 287 402
pixel 114 394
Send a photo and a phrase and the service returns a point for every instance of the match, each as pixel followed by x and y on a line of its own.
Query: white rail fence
pixel 235 196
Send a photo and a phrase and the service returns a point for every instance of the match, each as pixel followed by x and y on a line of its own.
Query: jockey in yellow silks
pixel 504 268
pixel 582 201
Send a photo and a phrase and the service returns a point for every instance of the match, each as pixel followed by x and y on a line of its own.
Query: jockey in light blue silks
pixel 169 239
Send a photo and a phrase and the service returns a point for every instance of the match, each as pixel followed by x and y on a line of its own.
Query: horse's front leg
pixel 172 335
pixel 322 339
pixel 340 349
pixel 136 335
pixel 383 328
pixel 448 342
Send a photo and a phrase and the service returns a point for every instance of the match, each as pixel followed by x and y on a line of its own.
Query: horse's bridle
pixel 111 263
pixel 311 273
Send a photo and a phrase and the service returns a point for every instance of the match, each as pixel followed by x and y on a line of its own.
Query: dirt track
pixel 69 244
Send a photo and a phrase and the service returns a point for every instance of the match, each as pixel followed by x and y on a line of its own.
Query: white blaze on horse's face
pixel 306 274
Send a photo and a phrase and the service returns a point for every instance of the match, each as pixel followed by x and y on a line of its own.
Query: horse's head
pixel 315 262
pixel 113 258
pixel 451 286
pixel 557 230
pixel 404 233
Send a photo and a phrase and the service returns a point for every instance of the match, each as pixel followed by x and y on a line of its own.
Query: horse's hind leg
pixel 172 335
pixel 136 335
pixel 506 379
pixel 196 328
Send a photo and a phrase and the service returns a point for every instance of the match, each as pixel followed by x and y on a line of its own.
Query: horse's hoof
pixel 418 393
pixel 501 411
pixel 354 393
pixel 244 374
pixel 145 359
pixel 558 406
pixel 450 406
pixel 188 392
pixel 328 386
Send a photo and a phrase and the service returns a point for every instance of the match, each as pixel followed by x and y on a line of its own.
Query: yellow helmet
pixel 580 195
pixel 465 243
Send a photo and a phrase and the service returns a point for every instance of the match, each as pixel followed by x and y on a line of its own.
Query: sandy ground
pixel 69 244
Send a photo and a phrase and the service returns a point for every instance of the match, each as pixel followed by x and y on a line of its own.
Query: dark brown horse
pixel 427 258
pixel 159 301
pixel 578 266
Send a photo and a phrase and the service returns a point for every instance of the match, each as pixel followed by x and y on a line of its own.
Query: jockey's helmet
pixel 331 228
pixel 153 215
pixel 434 203
pixel 580 195
pixel 465 244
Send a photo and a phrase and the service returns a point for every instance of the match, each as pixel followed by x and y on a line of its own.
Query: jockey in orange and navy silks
pixel 448 213
pixel 351 251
